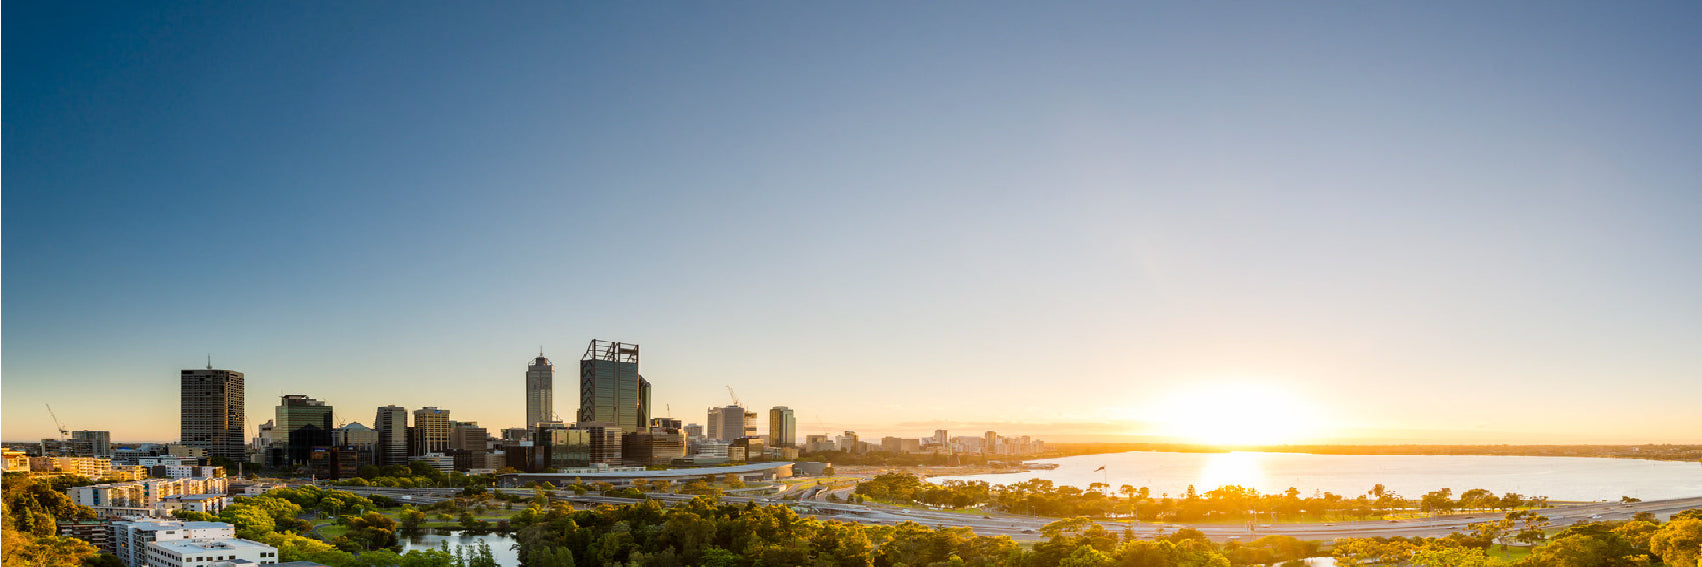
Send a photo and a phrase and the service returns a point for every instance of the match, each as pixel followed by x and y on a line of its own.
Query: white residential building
pixel 130 540
pixel 209 553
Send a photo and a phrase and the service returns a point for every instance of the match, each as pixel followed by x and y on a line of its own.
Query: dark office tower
pixel 303 423
pixel 540 391
pixel 213 413
pixel 392 426
pixel 610 389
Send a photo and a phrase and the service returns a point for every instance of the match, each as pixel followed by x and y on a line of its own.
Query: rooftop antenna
pixel 209 361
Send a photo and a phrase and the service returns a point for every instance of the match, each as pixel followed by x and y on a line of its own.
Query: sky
pixel 1355 222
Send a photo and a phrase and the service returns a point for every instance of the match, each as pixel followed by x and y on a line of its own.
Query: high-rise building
pixel 610 389
pixel 540 391
pixel 303 423
pixel 665 423
pixel 657 447
pixel 730 423
pixel 392 426
pixel 941 437
pixel 693 430
pixel 99 442
pixel 213 414
pixel 263 437
pixel 782 427
pixel 990 443
pixel 849 442
pixel 468 444
pixel 431 431
pixel 579 445
pixel 605 442
pixel 468 436
pixel 356 435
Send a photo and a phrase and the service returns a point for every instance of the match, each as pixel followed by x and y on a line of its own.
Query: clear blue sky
pixel 1440 221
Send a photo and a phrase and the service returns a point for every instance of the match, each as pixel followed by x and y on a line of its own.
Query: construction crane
pixel 62 431
pixel 734 396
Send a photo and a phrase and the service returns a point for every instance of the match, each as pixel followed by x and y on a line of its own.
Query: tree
pixel 1679 542
pixel 373 531
pixel 27 550
pixel 1530 526
pixel 1437 501
pixel 1441 556
pixel 250 521
pixel 193 516
pixel 1585 548
pixel 412 518
pixel 1491 531
pixel 1478 498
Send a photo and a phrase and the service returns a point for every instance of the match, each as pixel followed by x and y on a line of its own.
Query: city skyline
pixel 1100 221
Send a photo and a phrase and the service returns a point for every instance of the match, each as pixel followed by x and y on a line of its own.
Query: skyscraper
pixel 213 416
pixel 392 426
pixel 431 431
pixel 782 427
pixel 730 423
pixel 303 423
pixel 540 391
pixel 610 389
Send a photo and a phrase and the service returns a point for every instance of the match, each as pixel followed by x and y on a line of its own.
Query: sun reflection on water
pixel 1239 468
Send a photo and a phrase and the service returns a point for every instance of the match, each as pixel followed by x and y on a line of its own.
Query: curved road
pixel 1028 527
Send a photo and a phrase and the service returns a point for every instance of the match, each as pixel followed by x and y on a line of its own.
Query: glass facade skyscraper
pixel 782 427
pixel 610 389
pixel 392 425
pixel 303 423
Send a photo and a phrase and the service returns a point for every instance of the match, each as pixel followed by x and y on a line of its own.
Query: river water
pixel 500 543
pixel 1559 478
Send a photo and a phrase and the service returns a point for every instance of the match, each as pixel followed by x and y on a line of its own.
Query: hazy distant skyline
pixel 1438 222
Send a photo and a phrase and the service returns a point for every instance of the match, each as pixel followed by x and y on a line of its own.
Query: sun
pixel 1235 415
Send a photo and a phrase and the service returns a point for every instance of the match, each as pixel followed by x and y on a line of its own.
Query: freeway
pixel 1028 527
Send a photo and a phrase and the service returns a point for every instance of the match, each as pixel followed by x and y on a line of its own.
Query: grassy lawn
pixel 1511 554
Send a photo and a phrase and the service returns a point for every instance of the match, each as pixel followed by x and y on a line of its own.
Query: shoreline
pixel 1647 452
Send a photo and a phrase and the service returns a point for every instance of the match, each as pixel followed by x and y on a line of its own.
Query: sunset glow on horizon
pixel 1238 414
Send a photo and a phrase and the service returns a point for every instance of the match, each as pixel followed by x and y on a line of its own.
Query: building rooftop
pixel 156 525
pixel 190 546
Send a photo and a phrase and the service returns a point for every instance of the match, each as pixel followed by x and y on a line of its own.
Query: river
pixel 500 543
pixel 1559 478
